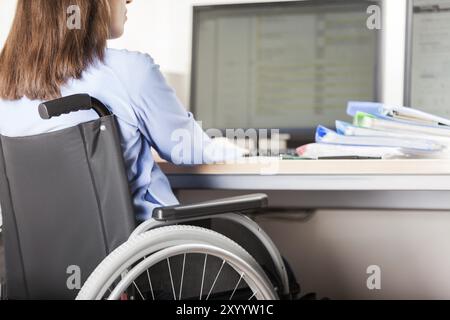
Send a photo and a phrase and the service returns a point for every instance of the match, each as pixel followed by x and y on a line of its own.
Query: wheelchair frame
pixel 230 209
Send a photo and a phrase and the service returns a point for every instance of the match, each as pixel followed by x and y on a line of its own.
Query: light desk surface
pixel 374 184
pixel 273 166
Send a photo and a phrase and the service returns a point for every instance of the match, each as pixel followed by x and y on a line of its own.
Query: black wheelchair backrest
pixel 65 202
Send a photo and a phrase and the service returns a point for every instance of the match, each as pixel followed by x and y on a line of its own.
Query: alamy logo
pixel 374 279
pixel 74 280
pixel 74 17
pixel 374 20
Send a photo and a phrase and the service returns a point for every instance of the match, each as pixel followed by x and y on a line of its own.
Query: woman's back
pixel 131 85
pixel 44 59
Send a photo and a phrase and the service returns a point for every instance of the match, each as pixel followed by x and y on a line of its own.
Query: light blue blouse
pixel 149 116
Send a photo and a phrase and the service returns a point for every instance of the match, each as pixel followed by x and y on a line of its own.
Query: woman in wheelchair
pixel 73 183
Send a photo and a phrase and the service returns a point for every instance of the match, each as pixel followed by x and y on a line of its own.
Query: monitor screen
pixel 428 57
pixel 285 65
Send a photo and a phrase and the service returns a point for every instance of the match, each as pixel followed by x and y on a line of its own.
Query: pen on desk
pixel 292 157
pixel 350 158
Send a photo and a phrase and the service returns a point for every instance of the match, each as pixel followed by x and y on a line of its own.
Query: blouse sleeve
pixel 168 126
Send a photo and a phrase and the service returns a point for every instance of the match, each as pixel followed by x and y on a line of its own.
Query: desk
pixel 358 184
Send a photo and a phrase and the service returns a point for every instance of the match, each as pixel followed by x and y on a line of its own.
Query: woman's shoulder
pixel 122 58
pixel 136 70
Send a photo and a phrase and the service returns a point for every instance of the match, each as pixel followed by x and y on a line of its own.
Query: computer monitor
pixel 282 65
pixel 427 83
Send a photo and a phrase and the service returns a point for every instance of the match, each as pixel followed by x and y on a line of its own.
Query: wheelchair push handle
pixel 66 105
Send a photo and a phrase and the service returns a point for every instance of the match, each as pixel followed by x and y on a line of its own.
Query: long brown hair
pixel 42 53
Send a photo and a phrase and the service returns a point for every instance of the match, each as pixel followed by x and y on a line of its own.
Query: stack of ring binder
pixel 380 131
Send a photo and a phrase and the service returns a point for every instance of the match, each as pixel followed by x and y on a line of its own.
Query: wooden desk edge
pixel 265 166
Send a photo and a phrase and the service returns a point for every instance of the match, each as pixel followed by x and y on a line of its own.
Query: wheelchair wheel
pixel 179 263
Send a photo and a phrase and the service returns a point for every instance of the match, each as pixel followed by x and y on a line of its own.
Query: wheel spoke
pixel 137 288
pixel 171 280
pixel 151 286
pixel 237 285
pixel 134 279
pixel 203 277
pixel 150 282
pixel 215 280
pixel 182 276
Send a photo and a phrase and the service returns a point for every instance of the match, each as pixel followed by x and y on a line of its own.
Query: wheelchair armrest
pixel 249 203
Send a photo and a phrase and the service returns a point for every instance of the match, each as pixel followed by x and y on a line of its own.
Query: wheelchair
pixel 70 232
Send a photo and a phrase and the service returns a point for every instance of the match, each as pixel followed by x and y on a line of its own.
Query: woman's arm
pixel 169 127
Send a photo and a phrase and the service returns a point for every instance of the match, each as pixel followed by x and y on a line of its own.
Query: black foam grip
pixel 65 105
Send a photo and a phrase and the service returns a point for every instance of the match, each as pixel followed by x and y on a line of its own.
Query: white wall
pixel 7 8
pixel 331 251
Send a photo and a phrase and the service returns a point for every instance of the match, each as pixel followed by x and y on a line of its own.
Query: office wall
pixel 6 16
pixel 332 250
